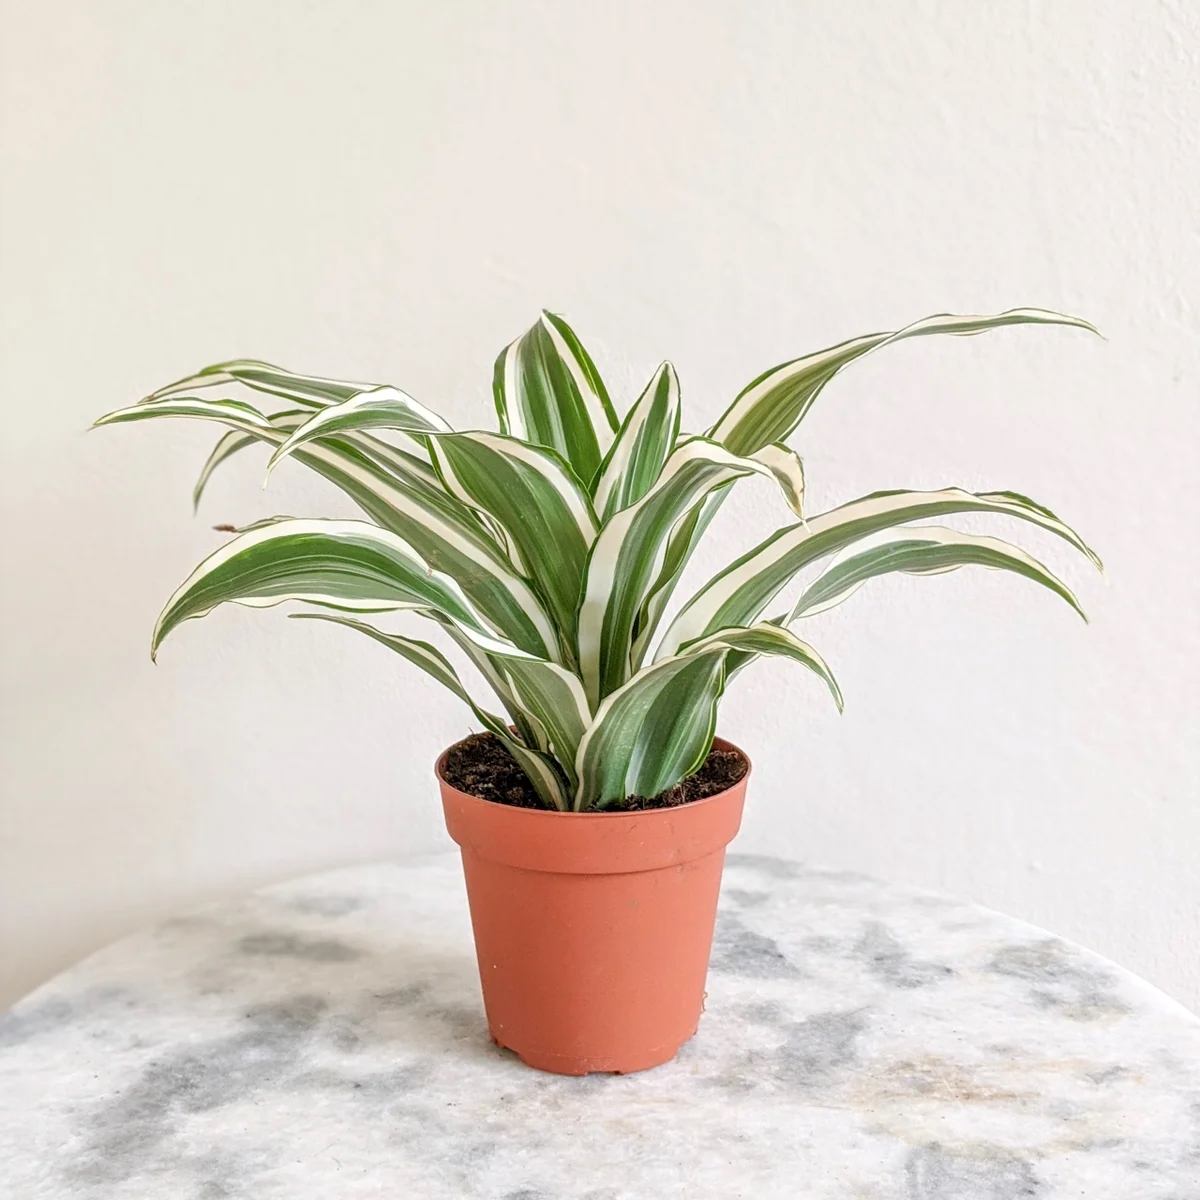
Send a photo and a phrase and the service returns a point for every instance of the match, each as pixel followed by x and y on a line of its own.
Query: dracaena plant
pixel 549 550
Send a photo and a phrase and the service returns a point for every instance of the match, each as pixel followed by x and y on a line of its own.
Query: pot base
pixel 566 1064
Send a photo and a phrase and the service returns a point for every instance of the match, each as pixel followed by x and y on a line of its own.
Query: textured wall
pixel 391 191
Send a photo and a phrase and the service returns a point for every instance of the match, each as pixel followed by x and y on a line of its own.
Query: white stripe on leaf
pixel 657 728
pixel 920 550
pixel 739 593
pixel 643 444
pixel 537 500
pixel 379 408
pixel 788 469
pixel 587 378
pixel 770 407
pixel 629 554
pixel 351 565
pixel 402 494
pixel 548 392
pixel 545 690
pixel 542 772
pixel 310 390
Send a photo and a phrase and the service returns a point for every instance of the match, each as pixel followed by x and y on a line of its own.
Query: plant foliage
pixel 548 551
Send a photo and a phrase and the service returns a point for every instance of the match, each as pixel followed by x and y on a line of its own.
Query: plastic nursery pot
pixel 593 930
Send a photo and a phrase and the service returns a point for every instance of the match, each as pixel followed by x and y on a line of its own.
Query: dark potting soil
pixel 481 766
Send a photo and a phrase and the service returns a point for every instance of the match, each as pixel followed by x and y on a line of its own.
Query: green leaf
pixel 379 408
pixel 738 594
pixel 549 393
pixel 227 446
pixel 628 556
pixel 492 669
pixel 540 769
pixel 235 441
pixel 230 412
pixel 925 550
pixel 404 495
pixel 683 540
pixel 529 492
pixel 540 504
pixel 771 406
pixel 788 469
pixel 429 518
pixel 309 390
pixel 543 690
pixel 496 538
pixel 657 729
pixel 643 444
pixel 351 565
pixel 650 733
pixel 785 466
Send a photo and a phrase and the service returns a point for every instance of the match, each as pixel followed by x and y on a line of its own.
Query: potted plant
pixel 594 811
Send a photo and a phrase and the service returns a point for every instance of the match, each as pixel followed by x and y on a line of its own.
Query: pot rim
pixel 643 813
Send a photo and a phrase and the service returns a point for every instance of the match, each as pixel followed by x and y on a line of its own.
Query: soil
pixel 481 766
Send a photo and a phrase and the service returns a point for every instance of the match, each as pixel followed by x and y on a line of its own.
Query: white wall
pixel 391 191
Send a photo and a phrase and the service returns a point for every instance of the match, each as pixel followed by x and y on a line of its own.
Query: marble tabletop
pixel 325 1039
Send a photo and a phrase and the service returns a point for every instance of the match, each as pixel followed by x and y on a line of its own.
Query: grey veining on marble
pixel 325 1039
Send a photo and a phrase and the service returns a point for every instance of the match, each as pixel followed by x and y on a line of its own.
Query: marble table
pixel 325 1039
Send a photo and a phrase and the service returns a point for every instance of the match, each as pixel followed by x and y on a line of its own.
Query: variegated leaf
pixel 540 768
pixel 351 565
pixel 236 413
pixel 924 550
pixel 630 552
pixel 771 406
pixel 788 469
pixel 403 495
pixel 309 390
pixel 528 492
pixel 683 540
pixel 657 729
pixel 227 446
pixel 261 523
pixel 541 689
pixel 549 393
pixel 538 501
pixel 738 594
pixel 643 444
pixel 379 408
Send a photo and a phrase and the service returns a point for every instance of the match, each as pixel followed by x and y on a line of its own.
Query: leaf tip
pixel 281 452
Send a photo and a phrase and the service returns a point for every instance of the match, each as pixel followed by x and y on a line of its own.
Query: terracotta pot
pixel 593 930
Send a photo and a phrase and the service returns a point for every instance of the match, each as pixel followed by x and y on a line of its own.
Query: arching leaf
pixel 770 407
